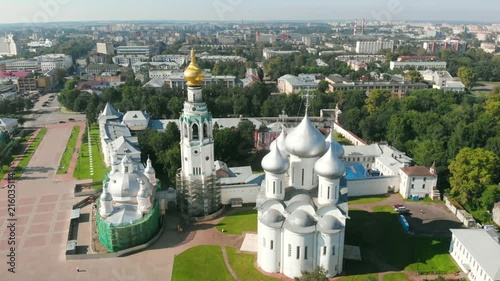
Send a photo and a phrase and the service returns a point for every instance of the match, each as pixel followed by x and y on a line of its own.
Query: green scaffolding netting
pixel 117 237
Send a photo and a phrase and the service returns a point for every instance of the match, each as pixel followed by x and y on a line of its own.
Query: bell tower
pixel 197 176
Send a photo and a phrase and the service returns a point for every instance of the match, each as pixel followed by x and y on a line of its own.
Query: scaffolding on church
pixel 198 198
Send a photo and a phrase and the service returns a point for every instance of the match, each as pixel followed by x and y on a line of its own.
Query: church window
pixel 298 252
pixel 272 244
pixel 293 173
pixel 207 158
pixel 333 250
pixel 425 179
pixel 305 252
pixel 335 194
pixel 196 133
pixel 194 171
pixel 328 193
pixel 423 186
pixel 324 251
pixel 205 130
pixel 412 186
pixel 289 250
pixel 274 187
pixel 185 130
pixel 281 187
pixel 126 169
pixel 413 179
pixel 302 176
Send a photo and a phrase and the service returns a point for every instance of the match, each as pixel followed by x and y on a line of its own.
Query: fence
pixel 461 214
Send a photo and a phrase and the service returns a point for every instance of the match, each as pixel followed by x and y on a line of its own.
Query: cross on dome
pixel 308 97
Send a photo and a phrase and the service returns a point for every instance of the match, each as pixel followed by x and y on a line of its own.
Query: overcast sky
pixel 38 11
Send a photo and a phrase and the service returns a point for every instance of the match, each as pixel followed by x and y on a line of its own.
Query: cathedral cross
pixel 308 97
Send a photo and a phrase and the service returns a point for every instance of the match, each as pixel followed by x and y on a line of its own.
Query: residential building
pixel 398 89
pixel 8 46
pixel 53 61
pixel 417 65
pixel 105 49
pixel 477 252
pixel 23 65
pixel 176 80
pixel 128 60
pixel 436 77
pixel 223 58
pixel 265 38
pixel 269 54
pixel 40 44
pixel 417 58
pixel 361 58
pixel 138 66
pixel 8 125
pixel 373 47
pixel 179 59
pixel 98 69
pixel 12 77
pixel 133 50
pixel 488 47
pixel 453 45
pixel 290 84
pixel 357 65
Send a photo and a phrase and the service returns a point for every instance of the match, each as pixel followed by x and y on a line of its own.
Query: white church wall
pixel 269 254
pixel 296 258
pixel 348 135
pixel 274 186
pixel 302 175
pixel 328 253
pixel 371 186
pixel 247 192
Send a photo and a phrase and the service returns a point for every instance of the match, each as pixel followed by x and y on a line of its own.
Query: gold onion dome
pixel 193 74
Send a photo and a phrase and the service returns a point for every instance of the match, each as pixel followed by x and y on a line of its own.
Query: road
pixel 51 114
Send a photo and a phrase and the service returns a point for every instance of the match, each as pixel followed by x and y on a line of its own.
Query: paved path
pixel 228 265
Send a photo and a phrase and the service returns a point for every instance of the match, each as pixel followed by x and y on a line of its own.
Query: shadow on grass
pixel 385 246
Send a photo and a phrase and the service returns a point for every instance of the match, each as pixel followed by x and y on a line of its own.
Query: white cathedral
pixel 302 205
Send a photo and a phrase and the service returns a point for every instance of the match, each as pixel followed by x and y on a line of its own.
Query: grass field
pixel 395 277
pixel 29 152
pixel 201 263
pixel 238 223
pixel 384 244
pixel 82 170
pixel 244 266
pixel 68 152
pixel 367 199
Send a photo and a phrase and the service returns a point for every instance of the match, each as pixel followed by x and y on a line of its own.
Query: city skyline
pixel 32 11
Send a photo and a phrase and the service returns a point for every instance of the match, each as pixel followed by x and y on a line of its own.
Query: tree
pixel 323 86
pixel 471 171
pixel 414 76
pixel 376 99
pixel 490 196
pixel 319 274
pixel 467 76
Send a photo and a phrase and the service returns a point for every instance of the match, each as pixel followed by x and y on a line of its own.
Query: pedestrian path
pixel 228 265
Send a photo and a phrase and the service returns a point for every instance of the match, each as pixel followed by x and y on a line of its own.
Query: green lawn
pixel 426 200
pixel 244 266
pixel 82 170
pixel 238 223
pixel 383 242
pixel 68 153
pixel 363 277
pixel 201 263
pixel 29 152
pixel 395 277
pixel 367 199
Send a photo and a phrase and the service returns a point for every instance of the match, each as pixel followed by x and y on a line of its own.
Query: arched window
pixel 195 131
pixel 205 130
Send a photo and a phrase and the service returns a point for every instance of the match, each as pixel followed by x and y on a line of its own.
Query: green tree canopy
pixel 468 76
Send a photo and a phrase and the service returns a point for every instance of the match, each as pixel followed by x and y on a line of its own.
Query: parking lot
pixel 425 218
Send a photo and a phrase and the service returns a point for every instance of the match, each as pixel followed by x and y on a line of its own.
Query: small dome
pixel 274 162
pixel 339 149
pixel 330 166
pixel 126 186
pixel 300 218
pixel 272 216
pixel 149 168
pixel 329 223
pixel 280 141
pixel 305 141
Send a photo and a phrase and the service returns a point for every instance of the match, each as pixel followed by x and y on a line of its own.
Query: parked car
pixel 403 210
pixel 396 206
pixel 62 121
pixel 71 119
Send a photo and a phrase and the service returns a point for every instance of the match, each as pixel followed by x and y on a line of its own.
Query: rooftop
pixel 417 171
pixel 483 247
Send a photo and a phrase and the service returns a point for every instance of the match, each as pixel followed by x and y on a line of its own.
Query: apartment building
pixel 373 47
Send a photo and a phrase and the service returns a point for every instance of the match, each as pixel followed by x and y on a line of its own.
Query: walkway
pixel 228 265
